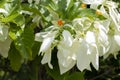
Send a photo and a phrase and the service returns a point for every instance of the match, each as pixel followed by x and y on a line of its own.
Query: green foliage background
pixel 23 62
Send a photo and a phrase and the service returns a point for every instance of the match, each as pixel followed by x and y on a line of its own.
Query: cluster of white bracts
pixel 91 40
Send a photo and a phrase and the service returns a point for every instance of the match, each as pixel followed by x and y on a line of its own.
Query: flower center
pixel 60 22
pixel 83 5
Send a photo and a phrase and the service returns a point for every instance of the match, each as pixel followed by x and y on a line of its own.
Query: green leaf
pixel 10 18
pixel 19 20
pixel 2 2
pixel 71 3
pixel 35 49
pixel 87 13
pixel 73 10
pixel 91 14
pixel 50 3
pixel 24 43
pixel 76 76
pixel 55 74
pixel 15 58
pixel 14 16
pixel 32 9
pixel 35 68
pixel 54 15
pixel 62 4
pixel 13 7
pixel 14 30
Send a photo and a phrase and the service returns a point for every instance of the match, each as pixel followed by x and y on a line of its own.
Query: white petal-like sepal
pixel 65 63
pixel 117 39
pixel 46 44
pixel 92 1
pixel 3 31
pixel 4 47
pixel 90 37
pixel 67 38
pixel 47 58
pixel 3 11
pixel 83 60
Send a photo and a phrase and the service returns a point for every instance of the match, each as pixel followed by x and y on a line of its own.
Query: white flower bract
pixel 82 40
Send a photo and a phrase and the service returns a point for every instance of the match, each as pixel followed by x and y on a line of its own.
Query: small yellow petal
pixel 83 5
pixel 98 12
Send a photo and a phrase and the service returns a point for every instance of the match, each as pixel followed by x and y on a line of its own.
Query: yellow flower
pixel 83 5
pixel 98 12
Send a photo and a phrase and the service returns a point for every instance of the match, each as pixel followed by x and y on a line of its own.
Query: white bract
pixel 3 11
pixel 3 31
pixel 101 31
pixel 113 13
pixel 81 24
pixel 83 40
pixel 88 52
pixel 5 41
pixel 4 47
pixel 114 47
pixel 92 1
pixel 66 52
pixel 46 46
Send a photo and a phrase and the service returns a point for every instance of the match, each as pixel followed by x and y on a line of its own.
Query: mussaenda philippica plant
pixel 63 33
